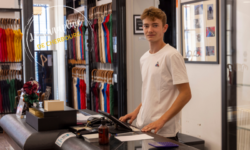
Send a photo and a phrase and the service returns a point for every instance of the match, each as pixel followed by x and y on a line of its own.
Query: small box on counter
pixel 51 120
pixel 53 105
pixel 36 112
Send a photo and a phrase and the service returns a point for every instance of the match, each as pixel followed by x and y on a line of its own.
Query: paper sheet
pixel 135 137
pixel 83 119
pixel 61 139
pixel 91 136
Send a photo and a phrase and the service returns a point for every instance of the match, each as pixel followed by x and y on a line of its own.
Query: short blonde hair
pixel 153 12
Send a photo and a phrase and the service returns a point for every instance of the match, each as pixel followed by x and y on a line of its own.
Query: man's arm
pixel 182 99
pixel 132 116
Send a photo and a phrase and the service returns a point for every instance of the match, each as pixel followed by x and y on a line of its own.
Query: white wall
pixel 135 49
pixel 201 117
pixel 9 4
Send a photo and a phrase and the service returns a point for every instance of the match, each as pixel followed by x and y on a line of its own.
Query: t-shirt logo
pixel 157 64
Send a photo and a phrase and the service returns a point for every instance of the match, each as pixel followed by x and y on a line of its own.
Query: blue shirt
pixel 105 96
pixel 78 93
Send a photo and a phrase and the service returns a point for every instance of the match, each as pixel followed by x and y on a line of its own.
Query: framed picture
pixel 138 25
pixel 199 31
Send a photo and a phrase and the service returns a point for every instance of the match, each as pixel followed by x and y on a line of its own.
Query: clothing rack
pixel 13 64
pixel 115 62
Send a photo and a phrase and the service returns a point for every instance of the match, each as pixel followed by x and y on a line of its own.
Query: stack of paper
pixel 83 119
pixel 135 137
pixel 91 137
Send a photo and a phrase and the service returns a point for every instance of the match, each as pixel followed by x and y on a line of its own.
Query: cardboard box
pixel 53 105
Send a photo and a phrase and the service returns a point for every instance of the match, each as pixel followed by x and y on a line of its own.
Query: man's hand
pixel 157 125
pixel 131 116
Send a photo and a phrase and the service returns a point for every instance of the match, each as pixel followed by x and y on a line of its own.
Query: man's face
pixel 154 30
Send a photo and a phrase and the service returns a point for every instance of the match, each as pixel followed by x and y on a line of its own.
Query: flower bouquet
pixel 30 89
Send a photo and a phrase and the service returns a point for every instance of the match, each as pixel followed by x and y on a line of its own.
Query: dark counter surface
pixel 28 138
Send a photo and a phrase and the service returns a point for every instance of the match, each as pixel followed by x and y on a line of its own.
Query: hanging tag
pixel 115 78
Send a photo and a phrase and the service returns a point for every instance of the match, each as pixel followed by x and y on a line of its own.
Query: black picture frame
pixel 206 49
pixel 137 25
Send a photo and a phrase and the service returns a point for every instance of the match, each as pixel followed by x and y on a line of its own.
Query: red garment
pixel 83 94
pixel 1 52
pixel 107 37
pixel 108 100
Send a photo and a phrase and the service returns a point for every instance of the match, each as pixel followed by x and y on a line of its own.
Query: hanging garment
pixel 91 41
pixel 78 94
pixel 111 97
pixel 7 97
pixel 1 99
pixel 1 55
pixel 92 95
pixel 96 92
pixel 94 38
pixel 4 46
pixel 101 96
pixel 7 31
pixel 107 38
pixel 84 45
pixel 75 93
pixel 2 96
pixel 16 44
pixel 100 36
pixel 108 99
pixel 95 27
pixel 12 45
pixel 73 42
pixel 83 94
pixel 19 45
pixel 80 40
pixel 111 37
pixel 78 54
pixel 69 44
pixel 105 96
pixel 103 41
pixel 12 94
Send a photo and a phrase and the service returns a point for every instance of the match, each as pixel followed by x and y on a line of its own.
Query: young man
pixel 165 85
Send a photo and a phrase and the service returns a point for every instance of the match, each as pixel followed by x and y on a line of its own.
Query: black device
pixel 123 126
pixel 96 122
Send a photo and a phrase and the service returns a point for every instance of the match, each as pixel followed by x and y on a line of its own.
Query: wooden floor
pixel 4 144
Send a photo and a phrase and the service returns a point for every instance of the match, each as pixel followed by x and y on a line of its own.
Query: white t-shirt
pixel 160 73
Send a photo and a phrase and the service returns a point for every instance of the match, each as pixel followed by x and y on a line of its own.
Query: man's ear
pixel 165 27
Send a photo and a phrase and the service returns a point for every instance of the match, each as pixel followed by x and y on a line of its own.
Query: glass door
pixel 238 74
